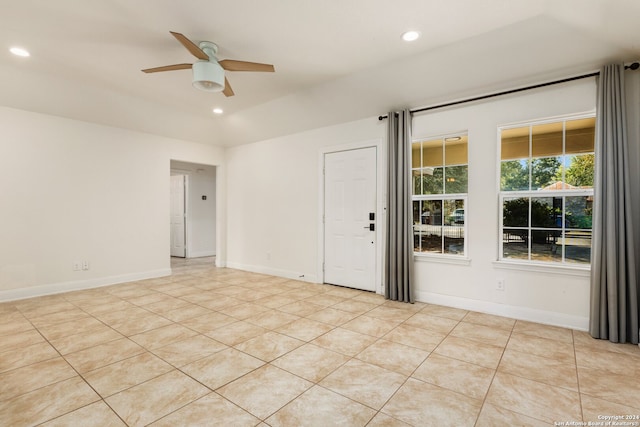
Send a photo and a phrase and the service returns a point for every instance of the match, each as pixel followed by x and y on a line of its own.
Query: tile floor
pixel 211 346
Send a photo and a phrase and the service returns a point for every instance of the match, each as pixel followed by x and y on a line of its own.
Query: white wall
pixel 75 191
pixel 201 214
pixel 272 201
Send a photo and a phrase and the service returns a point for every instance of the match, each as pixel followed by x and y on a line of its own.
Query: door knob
pixel 371 227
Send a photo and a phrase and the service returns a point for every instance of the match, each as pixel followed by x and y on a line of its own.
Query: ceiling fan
pixel 208 72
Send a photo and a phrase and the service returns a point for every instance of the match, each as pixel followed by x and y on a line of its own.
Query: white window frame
pixel 443 197
pixel 537 194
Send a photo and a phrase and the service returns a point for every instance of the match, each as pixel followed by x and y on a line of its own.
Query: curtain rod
pixel 633 66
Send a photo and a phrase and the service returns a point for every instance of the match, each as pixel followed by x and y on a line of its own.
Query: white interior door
pixel 350 190
pixel 178 212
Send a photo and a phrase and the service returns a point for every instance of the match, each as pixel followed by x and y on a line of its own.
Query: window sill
pixel 442 259
pixel 581 271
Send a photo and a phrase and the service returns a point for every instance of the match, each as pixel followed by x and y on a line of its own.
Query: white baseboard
pixel 515 312
pixel 57 288
pixel 273 272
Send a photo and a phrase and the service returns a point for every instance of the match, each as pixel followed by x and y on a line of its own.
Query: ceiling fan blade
pixel 191 46
pixel 168 68
pixel 232 65
pixel 227 88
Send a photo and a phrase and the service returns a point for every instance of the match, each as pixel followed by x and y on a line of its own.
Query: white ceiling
pixel 336 60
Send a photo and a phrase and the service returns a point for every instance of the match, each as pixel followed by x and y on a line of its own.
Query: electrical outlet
pixel 500 285
pixel 77 266
pixel 85 265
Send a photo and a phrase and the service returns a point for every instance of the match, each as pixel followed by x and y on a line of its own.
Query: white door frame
pixel 381 217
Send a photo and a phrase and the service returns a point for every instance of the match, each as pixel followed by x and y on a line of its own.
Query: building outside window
pixel 439 178
pixel 546 191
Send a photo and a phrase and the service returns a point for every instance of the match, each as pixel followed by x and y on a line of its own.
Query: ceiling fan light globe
pixel 208 76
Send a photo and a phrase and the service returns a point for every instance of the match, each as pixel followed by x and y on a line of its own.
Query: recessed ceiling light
pixel 410 36
pixel 217 111
pixel 18 51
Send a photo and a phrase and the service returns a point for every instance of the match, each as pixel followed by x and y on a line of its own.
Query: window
pixel 439 177
pixel 546 191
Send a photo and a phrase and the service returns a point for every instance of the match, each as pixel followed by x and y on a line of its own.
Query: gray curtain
pixel 614 281
pixel 398 272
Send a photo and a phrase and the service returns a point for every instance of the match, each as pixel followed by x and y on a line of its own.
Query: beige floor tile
pixel 94 415
pixel 340 291
pixel 545 347
pixel 415 337
pixel 111 308
pixel 38 307
pixel 269 345
pixel 325 300
pixel 149 298
pixel 391 314
pixel 344 341
pixel 275 301
pixel 208 410
pixel 301 308
pixel 221 368
pixel 14 324
pixel 393 356
pixel 28 378
pixel 489 320
pixel 434 323
pixel 126 373
pixel 208 322
pixel 244 311
pixel 616 363
pixel 85 340
pixel 117 317
pixel 272 319
pixel 73 327
pixel 584 341
pixel 371 325
pixel 186 351
pixel 332 316
pixel 605 385
pixel 482 334
pixel 544 331
pixel 470 351
pixel 46 403
pixel 152 400
pixel 185 312
pixel 265 390
pixel 137 325
pixel 442 311
pixel 534 399
pixel 321 407
pixel 384 420
pixel 593 409
pixel 363 382
pixel 218 302
pixel 235 333
pixel 541 369
pixel 438 406
pixel 355 307
pixel 162 336
pixel 24 356
pixel 492 416
pixel 20 339
pixel 103 354
pixel 311 362
pixel 166 305
pixel 462 377
pixel 370 298
pixel 304 329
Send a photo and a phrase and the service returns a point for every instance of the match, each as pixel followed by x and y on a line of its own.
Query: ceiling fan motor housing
pixel 208 76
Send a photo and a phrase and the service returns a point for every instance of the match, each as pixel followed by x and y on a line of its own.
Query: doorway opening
pixel 193 211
